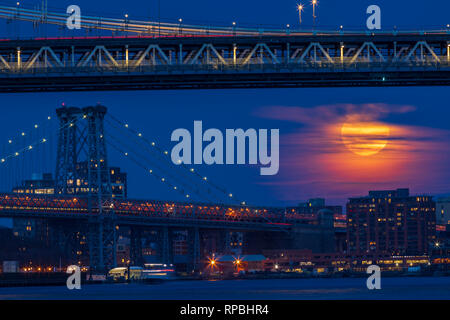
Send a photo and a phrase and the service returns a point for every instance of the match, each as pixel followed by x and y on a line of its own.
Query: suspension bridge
pixel 148 55
pixel 81 199
pixel 143 55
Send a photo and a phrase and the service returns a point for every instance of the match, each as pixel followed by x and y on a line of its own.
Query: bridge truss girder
pixel 224 62
pixel 120 54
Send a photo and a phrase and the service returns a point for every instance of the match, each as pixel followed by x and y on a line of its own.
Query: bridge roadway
pixel 227 61
pixel 153 213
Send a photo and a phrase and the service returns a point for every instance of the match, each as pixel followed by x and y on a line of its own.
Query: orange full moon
pixel 365 138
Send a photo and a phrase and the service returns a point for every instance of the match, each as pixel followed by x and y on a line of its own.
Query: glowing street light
pixel 300 9
pixel 212 263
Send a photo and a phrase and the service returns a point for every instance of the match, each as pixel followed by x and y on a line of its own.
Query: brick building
pixel 391 222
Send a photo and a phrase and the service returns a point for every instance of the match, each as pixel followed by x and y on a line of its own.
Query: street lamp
pixel 126 22
pixel 180 21
pixel 314 4
pixel 300 9
pixel 237 263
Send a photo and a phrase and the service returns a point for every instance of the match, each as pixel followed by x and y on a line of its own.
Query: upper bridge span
pixel 225 61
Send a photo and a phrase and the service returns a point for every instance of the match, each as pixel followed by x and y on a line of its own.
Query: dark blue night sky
pixel 157 114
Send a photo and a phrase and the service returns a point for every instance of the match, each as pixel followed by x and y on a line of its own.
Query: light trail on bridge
pixel 165 29
pixel 154 28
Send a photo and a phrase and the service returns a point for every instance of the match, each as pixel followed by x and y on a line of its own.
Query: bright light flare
pixel 212 263
pixel 300 8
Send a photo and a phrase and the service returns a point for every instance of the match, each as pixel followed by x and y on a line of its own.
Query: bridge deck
pixel 283 61
pixel 145 212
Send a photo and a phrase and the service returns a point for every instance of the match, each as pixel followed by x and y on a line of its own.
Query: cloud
pixel 333 113
pixel 314 161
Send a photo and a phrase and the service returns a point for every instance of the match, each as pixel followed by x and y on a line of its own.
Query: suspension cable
pixel 183 165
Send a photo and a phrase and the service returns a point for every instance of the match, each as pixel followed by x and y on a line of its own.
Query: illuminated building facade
pixel 38 184
pixel 443 211
pixel 118 183
pixel 391 222
pixel 44 184
pixel 307 261
pixel 180 243
pixel 117 177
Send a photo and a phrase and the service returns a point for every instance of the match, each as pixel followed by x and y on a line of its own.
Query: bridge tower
pixel 82 170
pixel 66 159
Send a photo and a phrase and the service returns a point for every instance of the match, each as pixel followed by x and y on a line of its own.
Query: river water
pixel 434 288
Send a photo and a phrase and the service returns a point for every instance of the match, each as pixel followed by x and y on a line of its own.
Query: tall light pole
pixel 314 4
pixel 300 9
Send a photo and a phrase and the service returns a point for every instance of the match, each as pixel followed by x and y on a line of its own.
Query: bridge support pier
pixel 166 250
pixel 194 248
pixel 102 244
pixel 136 257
